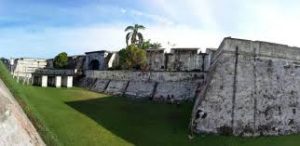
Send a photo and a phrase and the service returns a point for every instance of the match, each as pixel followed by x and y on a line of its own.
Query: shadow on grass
pixel 139 122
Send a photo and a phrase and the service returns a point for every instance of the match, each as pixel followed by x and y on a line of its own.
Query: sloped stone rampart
pixel 15 127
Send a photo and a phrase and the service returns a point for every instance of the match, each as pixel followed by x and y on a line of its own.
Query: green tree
pixel 61 60
pixel 133 58
pixel 155 45
pixel 122 58
pixel 134 35
pixel 145 45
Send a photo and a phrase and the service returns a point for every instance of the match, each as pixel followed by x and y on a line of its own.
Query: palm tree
pixel 134 34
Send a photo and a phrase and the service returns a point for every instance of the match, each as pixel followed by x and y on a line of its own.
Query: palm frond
pixel 134 35
pixel 128 35
pixel 129 28
pixel 140 27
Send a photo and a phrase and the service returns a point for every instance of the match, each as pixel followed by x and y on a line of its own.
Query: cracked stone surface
pixel 254 90
pixel 161 86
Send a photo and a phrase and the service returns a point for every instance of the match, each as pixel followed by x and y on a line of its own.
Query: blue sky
pixel 43 28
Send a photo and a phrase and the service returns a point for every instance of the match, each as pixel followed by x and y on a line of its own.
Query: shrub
pixel 122 58
pixel 133 58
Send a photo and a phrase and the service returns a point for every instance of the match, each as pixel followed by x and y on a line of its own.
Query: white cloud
pixel 269 20
pixel 193 23
pixel 184 36
pixel 155 18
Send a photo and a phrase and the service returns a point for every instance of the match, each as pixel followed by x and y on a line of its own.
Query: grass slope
pixel 79 117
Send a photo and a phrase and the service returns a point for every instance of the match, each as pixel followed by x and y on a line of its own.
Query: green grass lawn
pixel 79 117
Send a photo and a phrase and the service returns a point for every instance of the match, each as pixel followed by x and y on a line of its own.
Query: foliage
pixel 8 80
pixel 132 58
pixel 155 45
pixel 145 45
pixel 134 35
pixel 149 45
pixel 122 58
pixel 61 60
pixel 136 57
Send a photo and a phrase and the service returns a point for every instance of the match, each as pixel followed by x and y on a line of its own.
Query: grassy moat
pixel 79 117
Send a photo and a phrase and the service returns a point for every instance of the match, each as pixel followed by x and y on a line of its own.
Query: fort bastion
pixel 246 88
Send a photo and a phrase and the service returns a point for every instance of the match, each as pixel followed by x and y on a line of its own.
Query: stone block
pixel 116 87
pixel 140 89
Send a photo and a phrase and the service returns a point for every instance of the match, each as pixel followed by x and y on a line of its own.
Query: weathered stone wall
pixel 144 76
pixel 185 60
pixel 156 59
pixel 166 86
pixel 98 85
pixel 101 60
pixel 95 60
pixel 252 91
pixel 24 67
pixel 210 53
pixel 117 87
pixel 74 62
pixel 180 59
pixel 140 89
pixel 183 90
pixel 15 127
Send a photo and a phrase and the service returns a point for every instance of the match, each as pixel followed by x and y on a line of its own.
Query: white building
pixel 24 67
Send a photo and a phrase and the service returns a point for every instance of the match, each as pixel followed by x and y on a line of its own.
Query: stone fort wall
pixel 246 88
pixel 252 89
pixel 170 86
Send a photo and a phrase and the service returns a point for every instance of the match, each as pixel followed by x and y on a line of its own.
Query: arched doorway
pixel 94 65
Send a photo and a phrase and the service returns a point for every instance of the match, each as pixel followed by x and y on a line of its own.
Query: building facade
pixel 24 67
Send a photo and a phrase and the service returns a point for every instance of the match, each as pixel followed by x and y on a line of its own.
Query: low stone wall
pixel 140 89
pixel 117 87
pixel 165 86
pixel 15 127
pixel 184 90
pixel 145 76
pixel 99 85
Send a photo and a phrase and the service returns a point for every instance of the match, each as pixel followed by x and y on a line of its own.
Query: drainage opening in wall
pixel 294 111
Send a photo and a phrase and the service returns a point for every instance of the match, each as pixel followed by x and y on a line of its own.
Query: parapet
pixel 261 48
